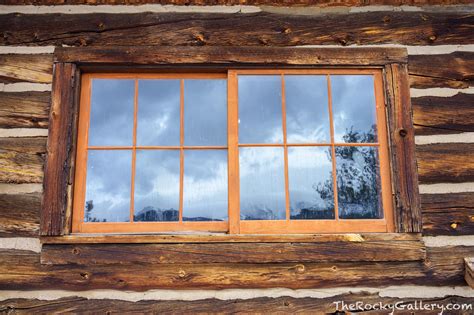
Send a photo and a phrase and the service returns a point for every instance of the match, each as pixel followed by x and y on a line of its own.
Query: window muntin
pixel 290 151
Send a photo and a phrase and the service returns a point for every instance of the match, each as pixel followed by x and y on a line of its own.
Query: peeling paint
pixel 465 137
pixel 14 189
pixel 447 188
pixel 21 243
pixel 441 92
pixel 23 132
pixel 441 241
pixel 24 87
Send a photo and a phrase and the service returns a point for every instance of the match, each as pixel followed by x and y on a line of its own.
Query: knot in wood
pixel 454 225
pixel 181 273
pixel 300 268
pixel 432 38
pixel 84 275
pixel 76 251
pixel 403 133
pixel 101 25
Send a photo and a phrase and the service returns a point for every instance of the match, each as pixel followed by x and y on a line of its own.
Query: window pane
pixel 358 183
pixel 205 185
pixel 205 112
pixel 157 185
pixel 111 113
pixel 158 112
pixel 354 108
pixel 307 117
pixel 260 117
pixel 262 184
pixel 310 183
pixel 108 186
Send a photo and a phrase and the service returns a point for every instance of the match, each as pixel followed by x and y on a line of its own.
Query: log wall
pixel 441 66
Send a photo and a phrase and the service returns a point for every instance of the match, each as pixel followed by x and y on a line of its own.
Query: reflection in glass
pixel 307 117
pixel 358 183
pixel 158 112
pixel 205 112
pixel 111 112
pixel 262 184
pixel 108 186
pixel 260 116
pixel 310 183
pixel 205 185
pixel 354 111
pixel 157 185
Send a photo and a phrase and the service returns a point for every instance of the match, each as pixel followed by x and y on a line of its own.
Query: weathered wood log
pixel 231 253
pixel 21 270
pixel 228 56
pixel 21 160
pixel 469 272
pixel 455 70
pixel 24 109
pixel 262 305
pixel 256 29
pixel 19 214
pixel 319 3
pixel 448 214
pixel 61 149
pixel 445 163
pixel 229 238
pixel 26 68
pixel 443 115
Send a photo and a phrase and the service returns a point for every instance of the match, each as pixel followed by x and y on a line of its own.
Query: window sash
pixel 234 224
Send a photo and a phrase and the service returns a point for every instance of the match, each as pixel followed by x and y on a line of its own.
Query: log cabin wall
pixel 153 277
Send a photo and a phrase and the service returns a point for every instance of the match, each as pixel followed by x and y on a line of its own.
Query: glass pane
pixel 108 186
pixel 205 185
pixel 205 112
pixel 262 184
pixel 260 117
pixel 158 112
pixel 358 183
pixel 310 183
pixel 354 110
pixel 307 116
pixel 111 113
pixel 157 185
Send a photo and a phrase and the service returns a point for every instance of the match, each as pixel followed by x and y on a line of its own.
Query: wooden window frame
pixel 69 63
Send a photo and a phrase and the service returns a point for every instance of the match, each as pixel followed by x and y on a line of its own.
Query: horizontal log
pixel 26 68
pixel 21 160
pixel 261 305
pixel 443 115
pixel 19 214
pixel 230 238
pixel 319 3
pixel 24 109
pixel 232 253
pixel 21 270
pixel 255 29
pixel 445 163
pixel 455 70
pixel 448 214
pixel 229 56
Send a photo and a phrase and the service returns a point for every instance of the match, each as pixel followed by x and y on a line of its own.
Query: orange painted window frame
pixel 234 225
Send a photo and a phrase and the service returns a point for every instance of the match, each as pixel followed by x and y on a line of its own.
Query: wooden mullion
pixel 285 148
pixel 402 150
pixel 181 150
pixel 233 153
pixel 58 176
pixel 333 150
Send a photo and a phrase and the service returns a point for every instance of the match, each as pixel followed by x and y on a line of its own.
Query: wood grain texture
pixel 228 56
pixel 262 305
pixel 21 160
pixel 448 214
pixel 61 132
pixel 24 109
pixel 443 115
pixel 469 271
pixel 455 70
pixel 19 215
pixel 402 149
pixel 445 163
pixel 231 253
pixel 21 270
pixel 256 29
pixel 319 3
pixel 26 68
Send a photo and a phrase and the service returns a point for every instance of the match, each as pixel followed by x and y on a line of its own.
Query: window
pixel 243 151
pixel 273 124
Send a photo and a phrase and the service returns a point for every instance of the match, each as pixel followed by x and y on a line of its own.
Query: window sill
pixel 224 248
